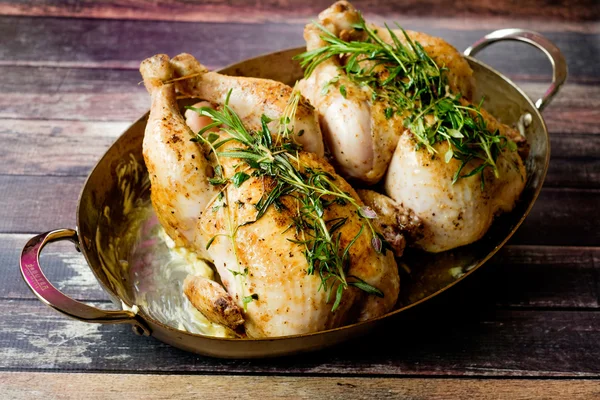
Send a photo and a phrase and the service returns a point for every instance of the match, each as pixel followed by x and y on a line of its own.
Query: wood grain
pixel 115 95
pixel 117 386
pixel 69 86
pixel 543 276
pixel 558 212
pixel 541 14
pixel 55 147
pixel 468 337
pixel 72 148
pixel 66 269
pixel 548 277
pixel 38 204
pixel 41 203
pixel 99 43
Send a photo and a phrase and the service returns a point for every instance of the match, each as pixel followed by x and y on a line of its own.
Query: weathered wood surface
pixel 519 276
pixel 138 387
pixel 122 44
pixel 463 14
pixel 75 94
pixel 69 86
pixel 41 203
pixel 37 147
pixel 465 337
pixel 116 95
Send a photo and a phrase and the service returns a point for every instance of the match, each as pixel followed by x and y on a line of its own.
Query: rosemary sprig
pixel 414 87
pixel 313 191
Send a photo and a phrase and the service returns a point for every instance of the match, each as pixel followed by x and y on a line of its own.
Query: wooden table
pixel 69 86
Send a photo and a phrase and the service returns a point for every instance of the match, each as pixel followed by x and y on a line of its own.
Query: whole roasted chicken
pixel 397 105
pixel 295 248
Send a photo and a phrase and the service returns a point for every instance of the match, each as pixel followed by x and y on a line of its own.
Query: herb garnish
pixel 249 299
pixel 413 86
pixel 313 190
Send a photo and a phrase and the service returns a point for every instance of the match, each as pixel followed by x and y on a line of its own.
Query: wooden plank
pixel 99 43
pixel 38 204
pixel 548 277
pixel 542 276
pixel 486 14
pixel 464 338
pixel 558 212
pixel 72 94
pixel 72 148
pixel 574 161
pixel 115 95
pixel 41 203
pixel 55 147
pixel 25 385
pixel 573 110
pixel 62 264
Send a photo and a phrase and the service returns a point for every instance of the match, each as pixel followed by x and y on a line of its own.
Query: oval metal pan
pixel 431 275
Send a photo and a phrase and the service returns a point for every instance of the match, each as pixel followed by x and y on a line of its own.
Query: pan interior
pixel 115 199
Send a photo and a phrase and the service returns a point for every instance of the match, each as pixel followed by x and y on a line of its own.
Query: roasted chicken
pixel 398 104
pixel 272 260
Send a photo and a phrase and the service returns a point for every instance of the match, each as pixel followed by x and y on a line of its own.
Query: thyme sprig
pixel 313 190
pixel 414 87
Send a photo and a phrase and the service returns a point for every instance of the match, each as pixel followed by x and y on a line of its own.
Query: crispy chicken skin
pixel 398 225
pixel 456 214
pixel 366 145
pixel 179 191
pixel 263 272
pixel 213 301
pixel 253 98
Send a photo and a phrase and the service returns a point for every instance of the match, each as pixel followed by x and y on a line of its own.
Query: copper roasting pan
pixel 431 275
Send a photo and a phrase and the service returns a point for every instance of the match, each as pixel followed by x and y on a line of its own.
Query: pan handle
pixel 559 64
pixel 48 294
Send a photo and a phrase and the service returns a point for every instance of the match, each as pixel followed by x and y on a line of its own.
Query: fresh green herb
pixel 220 200
pixel 210 242
pixel 412 85
pixel 343 90
pixel 236 273
pixel 314 190
pixel 362 285
pixel 212 137
pixel 326 86
pixel 218 178
pixel 389 112
pixel 249 299
pixel 239 178
pixel 286 127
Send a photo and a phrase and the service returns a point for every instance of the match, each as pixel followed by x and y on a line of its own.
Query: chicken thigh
pixel 452 214
pixel 267 257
